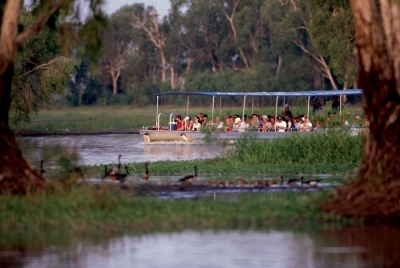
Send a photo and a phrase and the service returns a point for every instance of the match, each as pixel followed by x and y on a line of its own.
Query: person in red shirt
pixel 179 123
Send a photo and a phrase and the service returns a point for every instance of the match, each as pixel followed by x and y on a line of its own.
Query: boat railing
pixel 171 115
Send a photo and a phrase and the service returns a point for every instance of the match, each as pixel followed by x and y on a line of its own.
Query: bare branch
pixel 285 2
pixel 230 17
pixel 47 66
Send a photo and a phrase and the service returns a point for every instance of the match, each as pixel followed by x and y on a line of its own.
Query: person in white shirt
pixel 280 125
pixel 237 124
pixel 196 124
pixel 307 124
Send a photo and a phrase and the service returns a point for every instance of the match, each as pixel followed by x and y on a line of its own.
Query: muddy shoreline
pixel 29 133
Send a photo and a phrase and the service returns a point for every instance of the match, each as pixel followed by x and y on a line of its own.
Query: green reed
pixel 87 208
pixel 129 118
pixel 337 147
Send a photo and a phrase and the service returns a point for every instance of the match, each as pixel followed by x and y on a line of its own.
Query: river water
pixel 312 247
pixel 307 246
pixel 104 149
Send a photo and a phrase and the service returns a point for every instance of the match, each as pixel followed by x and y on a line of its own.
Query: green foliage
pixel 86 208
pixel 332 31
pixel 336 147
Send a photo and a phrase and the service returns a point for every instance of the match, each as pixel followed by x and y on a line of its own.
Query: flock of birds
pixel 115 174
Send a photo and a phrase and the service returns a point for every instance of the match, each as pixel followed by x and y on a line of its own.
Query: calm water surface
pixel 348 247
pixel 104 149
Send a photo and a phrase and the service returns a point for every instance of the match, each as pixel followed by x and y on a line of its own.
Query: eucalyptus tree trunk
pixel 375 195
pixel 16 174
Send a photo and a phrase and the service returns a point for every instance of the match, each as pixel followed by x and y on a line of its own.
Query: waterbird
pixel 188 179
pixel 242 182
pixel 270 182
pixel 114 170
pixel 122 177
pixel 146 175
pixel 78 171
pixel 42 170
pixel 310 183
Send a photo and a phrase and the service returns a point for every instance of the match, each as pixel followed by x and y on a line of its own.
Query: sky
pixel 162 6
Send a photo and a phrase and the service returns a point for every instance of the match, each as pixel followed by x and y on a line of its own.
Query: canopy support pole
pixel 276 110
pixel 244 107
pixel 212 109
pixel 340 103
pixel 157 118
pixel 187 107
pixel 252 105
pixel 308 108
pixel 220 106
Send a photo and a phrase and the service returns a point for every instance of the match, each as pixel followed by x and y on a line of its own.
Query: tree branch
pixel 39 24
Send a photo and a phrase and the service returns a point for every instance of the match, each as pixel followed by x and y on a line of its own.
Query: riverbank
pixel 43 133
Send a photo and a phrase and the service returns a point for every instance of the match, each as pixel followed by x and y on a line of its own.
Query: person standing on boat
pixel 179 123
pixel 287 111
pixel 317 106
pixel 196 124
pixel 280 125
pixel 335 104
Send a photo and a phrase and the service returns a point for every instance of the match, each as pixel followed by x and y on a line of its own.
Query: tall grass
pixel 333 148
pixel 87 208
pixel 129 118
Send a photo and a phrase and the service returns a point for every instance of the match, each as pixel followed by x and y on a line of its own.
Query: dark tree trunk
pixel 16 175
pixel 375 195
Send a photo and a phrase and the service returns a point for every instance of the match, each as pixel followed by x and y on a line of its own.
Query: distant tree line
pixel 216 45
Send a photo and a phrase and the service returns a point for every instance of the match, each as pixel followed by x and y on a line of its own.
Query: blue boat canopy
pixel 270 94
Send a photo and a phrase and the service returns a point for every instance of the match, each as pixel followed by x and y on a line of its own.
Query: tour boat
pixel 168 133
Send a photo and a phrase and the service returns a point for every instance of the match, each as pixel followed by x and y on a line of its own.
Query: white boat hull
pixel 191 136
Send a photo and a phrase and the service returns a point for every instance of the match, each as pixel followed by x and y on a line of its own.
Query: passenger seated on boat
pixel 200 116
pixel 228 123
pixel 179 123
pixel 245 123
pixel 217 123
pixel 298 124
pixel 272 126
pixel 281 124
pixel 307 124
pixel 196 124
pixel 255 122
pixel 205 120
pixel 265 125
pixel 289 123
pixel 318 128
pixel 236 125
pixel 188 123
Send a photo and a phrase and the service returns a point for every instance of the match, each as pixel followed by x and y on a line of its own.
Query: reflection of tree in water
pixel 366 246
pixel 52 248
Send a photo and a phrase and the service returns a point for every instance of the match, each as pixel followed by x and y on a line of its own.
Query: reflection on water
pixel 104 149
pixel 347 247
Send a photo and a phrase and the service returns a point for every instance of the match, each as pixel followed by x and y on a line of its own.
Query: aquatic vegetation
pixel 89 208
